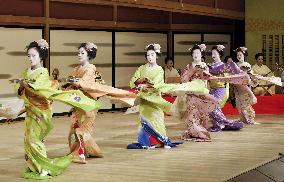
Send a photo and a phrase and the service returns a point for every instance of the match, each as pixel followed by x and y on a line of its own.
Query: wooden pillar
pixel 216 4
pixel 46 33
pixel 170 37
pixel 114 15
pixel 113 63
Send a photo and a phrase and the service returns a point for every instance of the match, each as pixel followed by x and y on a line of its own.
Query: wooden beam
pixel 165 6
pixel 145 26
pixel 93 24
pixel 21 20
pixel 48 23
pixel 72 23
pixel 202 28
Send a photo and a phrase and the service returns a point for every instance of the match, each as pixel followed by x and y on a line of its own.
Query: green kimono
pixel 152 106
pixel 38 98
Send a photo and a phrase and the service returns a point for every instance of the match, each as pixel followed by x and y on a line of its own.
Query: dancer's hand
pixel 213 77
pixel 78 131
pixel 140 80
pixel 246 82
pixel 76 84
pixel 65 86
pixel 9 120
pixel 199 68
pixel 24 84
pixel 144 87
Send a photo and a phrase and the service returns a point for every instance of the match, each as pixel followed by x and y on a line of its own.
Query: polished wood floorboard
pixel 229 153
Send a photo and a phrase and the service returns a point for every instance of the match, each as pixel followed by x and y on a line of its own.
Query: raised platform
pixel 265 105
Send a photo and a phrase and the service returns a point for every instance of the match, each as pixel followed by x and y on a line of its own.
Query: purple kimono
pixel 243 94
pixel 218 90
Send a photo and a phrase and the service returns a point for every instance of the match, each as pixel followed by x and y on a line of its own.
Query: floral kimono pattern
pixel 82 128
pixel 152 131
pixel 37 100
pixel 220 90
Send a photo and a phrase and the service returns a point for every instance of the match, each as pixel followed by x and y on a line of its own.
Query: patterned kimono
pixel 198 108
pixel 201 110
pixel 152 131
pixel 37 100
pixel 220 91
pixel 244 101
pixel 82 127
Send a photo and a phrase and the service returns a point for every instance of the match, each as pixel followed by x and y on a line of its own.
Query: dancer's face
pixel 33 56
pixel 151 56
pixel 240 56
pixel 83 55
pixel 230 60
pixel 215 55
pixel 196 55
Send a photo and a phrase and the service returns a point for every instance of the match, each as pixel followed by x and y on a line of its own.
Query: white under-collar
pixel 83 66
pixel 30 71
pixel 217 61
pixel 199 63
pixel 148 67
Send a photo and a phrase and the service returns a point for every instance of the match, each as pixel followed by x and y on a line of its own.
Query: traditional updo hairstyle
pixel 201 47
pixel 91 49
pixel 41 46
pixel 219 49
pixel 241 49
pixel 154 47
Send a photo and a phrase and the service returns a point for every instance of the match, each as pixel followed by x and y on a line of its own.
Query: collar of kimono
pixel 193 64
pixel 34 73
pixel 85 65
pixel 217 62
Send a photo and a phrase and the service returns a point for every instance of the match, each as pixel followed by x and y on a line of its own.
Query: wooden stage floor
pixel 229 154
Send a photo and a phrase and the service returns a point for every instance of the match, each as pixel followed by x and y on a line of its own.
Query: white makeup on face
pixel 230 60
pixel 215 55
pixel 151 57
pixel 196 55
pixel 33 57
pixel 240 56
pixel 83 56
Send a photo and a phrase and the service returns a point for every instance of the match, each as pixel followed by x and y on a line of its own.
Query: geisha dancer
pixel 220 90
pixel 81 142
pixel 38 91
pixel 243 94
pixel 201 110
pixel 198 108
pixel 149 81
